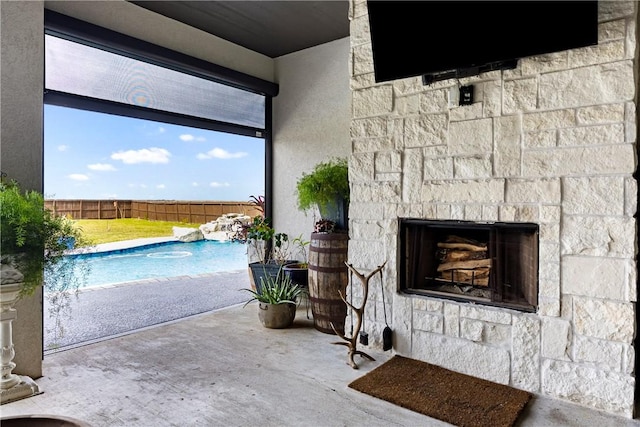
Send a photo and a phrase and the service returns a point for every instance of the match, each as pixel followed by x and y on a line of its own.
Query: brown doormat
pixel 449 396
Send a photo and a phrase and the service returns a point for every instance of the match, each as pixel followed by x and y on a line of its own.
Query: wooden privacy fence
pixel 194 212
pixel 156 210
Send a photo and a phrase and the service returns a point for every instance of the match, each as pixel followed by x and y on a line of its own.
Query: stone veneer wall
pixel 551 142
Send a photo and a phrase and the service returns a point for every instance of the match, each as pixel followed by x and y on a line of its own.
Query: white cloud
pixel 78 177
pixel 188 137
pixel 146 155
pixel 194 184
pixel 133 185
pixel 219 184
pixel 219 153
pixel 101 167
pixel 161 186
pixel 63 147
pixel 156 131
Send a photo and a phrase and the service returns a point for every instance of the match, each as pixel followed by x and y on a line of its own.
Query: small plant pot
pixel 276 316
pixel 298 273
pixel 262 271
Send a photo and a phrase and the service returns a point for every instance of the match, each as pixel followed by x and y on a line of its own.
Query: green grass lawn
pixel 97 231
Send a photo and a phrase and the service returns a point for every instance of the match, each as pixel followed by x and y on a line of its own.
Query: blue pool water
pixel 162 260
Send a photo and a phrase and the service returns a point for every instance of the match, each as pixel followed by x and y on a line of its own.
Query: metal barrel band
pixel 327 269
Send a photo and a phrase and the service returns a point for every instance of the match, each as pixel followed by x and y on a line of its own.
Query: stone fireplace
pixel 493 264
pixel 539 169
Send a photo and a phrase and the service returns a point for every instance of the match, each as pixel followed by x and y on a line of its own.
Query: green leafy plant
pixel 325 187
pixel 327 180
pixel 34 241
pixel 260 229
pixel 260 234
pixel 301 245
pixel 277 289
pixel 281 252
pixel 268 244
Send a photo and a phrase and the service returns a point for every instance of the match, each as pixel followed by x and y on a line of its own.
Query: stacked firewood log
pixel 464 261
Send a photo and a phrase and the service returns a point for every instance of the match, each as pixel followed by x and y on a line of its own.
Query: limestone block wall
pixel 552 142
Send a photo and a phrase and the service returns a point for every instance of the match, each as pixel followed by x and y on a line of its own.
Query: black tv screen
pixel 413 38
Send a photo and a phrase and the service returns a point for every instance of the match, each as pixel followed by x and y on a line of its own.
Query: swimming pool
pixel 161 260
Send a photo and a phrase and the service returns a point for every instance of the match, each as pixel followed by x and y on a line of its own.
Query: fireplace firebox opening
pixel 485 263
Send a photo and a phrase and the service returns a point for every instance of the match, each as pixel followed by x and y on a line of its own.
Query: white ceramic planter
pixel 12 386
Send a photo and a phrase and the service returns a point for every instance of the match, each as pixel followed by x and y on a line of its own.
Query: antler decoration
pixel 359 311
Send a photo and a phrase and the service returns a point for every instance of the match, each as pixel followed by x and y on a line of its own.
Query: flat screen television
pixel 447 39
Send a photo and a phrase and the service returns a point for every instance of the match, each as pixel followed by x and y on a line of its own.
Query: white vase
pixel 12 386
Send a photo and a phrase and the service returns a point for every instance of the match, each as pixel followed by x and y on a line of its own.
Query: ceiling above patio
pixel 273 28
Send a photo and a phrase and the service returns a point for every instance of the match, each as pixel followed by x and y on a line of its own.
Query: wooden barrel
pixel 328 276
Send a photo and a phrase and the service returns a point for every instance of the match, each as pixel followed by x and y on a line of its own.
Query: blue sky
pixel 91 155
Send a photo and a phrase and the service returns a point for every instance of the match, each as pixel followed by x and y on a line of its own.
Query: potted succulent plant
pixel 327 188
pixel 277 298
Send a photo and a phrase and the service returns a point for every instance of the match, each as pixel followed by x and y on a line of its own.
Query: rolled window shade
pixel 88 71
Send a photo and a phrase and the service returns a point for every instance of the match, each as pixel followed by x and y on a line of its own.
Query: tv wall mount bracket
pixel 427 79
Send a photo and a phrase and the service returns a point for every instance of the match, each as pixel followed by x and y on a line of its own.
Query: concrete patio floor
pixel 222 368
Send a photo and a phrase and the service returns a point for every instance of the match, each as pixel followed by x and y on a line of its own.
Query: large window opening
pixel 126 119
